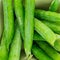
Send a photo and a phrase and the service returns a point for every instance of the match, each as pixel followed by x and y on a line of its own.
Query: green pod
pixel 48 16
pixel 18 6
pixel 45 32
pixel 47 35
pixel 8 23
pixel 49 50
pixel 15 48
pixel 39 53
pixel 8 29
pixel 29 25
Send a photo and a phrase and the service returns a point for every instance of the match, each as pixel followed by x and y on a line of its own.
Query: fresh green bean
pixel 29 25
pixel 45 32
pixel 8 29
pixel 39 53
pixel 49 50
pixel 15 46
pixel 18 6
pixel 48 16
pixel 56 46
pixel 8 23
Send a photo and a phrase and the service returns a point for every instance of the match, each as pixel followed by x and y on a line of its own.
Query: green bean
pixel 8 22
pixel 8 29
pixel 18 6
pixel 45 32
pixel 56 46
pixel 48 16
pixel 29 25
pixel 15 46
pixel 49 50
pixel 39 53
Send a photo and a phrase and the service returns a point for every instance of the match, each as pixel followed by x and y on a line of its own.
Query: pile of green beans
pixel 37 31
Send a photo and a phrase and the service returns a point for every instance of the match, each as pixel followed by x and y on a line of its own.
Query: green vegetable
pixel 29 25
pixel 38 37
pixel 56 46
pixel 19 14
pixel 54 5
pixel 48 16
pixel 45 32
pixel 49 50
pixel 54 27
pixel 15 46
pixel 8 29
pixel 8 22
pixel 39 53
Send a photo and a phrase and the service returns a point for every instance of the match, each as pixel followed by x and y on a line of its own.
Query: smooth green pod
pixel 39 53
pixel 29 25
pixel 48 16
pixel 8 22
pixel 49 50
pixel 18 6
pixel 15 46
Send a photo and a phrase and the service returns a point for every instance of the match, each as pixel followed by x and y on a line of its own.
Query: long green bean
pixel 15 46
pixel 48 16
pixel 47 34
pixel 8 29
pixel 39 53
pixel 18 6
pixel 29 25
pixel 49 50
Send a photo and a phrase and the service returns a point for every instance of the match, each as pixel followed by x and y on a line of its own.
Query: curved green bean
pixel 8 29
pixel 15 46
